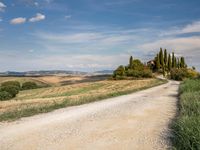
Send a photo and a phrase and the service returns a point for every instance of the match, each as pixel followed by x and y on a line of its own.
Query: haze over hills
pixel 53 72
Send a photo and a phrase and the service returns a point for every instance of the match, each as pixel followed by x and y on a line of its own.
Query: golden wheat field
pixel 74 94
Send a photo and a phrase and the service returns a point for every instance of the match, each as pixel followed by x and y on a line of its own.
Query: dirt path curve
pixel 136 121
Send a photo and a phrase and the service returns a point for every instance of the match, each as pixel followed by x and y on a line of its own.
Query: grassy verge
pixel 31 110
pixel 186 129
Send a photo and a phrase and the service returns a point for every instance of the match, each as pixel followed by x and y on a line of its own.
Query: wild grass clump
pixel 186 129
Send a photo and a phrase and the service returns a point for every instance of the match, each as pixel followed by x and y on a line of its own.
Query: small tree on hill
pixel 120 71
pixel 131 62
pixel 169 65
pixel 157 62
pixel 173 61
pixel 165 57
pixel 161 57
pixel 182 62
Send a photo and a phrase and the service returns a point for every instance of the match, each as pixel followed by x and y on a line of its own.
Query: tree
pixel 169 65
pixel 157 62
pixel 173 61
pixel 131 62
pixel 120 71
pixel 138 65
pixel 182 62
pixel 165 57
pixel 177 63
pixel 161 57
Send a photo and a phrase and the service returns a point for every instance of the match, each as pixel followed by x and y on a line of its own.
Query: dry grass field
pixel 35 101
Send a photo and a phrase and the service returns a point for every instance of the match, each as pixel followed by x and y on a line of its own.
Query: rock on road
pixel 130 122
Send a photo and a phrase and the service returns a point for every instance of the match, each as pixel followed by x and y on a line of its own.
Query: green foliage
pixel 161 57
pixel 29 85
pixel 186 129
pixel 5 96
pixel 182 62
pixel 173 61
pixel 12 83
pixel 12 90
pixel 169 66
pixel 135 69
pixel 165 57
pixel 182 73
pixel 131 62
pixel 157 62
pixel 138 65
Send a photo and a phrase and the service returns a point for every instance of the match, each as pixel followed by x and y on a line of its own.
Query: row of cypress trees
pixel 166 62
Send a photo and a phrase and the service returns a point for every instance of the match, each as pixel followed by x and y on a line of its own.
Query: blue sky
pixel 90 35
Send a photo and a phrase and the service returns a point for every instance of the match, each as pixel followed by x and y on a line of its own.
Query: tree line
pixel 168 64
pixel 165 62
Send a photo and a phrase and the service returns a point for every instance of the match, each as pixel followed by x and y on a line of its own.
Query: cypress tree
pixel 169 66
pixel 175 64
pixel 178 63
pixel 173 60
pixel 182 63
pixel 131 62
pixel 161 57
pixel 157 60
pixel 165 57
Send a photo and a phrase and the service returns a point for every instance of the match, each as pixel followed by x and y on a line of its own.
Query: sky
pixel 92 35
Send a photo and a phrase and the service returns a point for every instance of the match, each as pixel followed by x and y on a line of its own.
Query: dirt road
pixel 136 121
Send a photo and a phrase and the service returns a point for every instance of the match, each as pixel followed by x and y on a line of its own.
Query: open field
pixel 186 128
pixel 56 80
pixel 40 100
pixel 25 79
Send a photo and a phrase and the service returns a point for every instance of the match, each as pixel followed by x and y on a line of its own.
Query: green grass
pixel 186 129
pixel 77 91
pixel 30 110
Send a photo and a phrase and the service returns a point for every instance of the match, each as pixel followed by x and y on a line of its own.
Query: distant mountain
pixel 53 72
pixel 104 72
pixel 41 73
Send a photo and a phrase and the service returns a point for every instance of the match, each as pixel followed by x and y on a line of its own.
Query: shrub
pixel 5 96
pixel 147 73
pixel 29 85
pixel 182 73
pixel 12 90
pixel 137 65
pixel 120 71
pixel 11 83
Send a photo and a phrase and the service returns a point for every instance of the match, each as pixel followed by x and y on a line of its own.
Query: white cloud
pixel 19 20
pixel 190 28
pixel 68 17
pixel 194 27
pixel 182 44
pixel 36 4
pixel 97 38
pixel 38 17
pixel 2 6
pixel 31 50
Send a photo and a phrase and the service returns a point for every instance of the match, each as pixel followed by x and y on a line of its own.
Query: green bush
pixel 5 96
pixel 12 90
pixel 137 65
pixel 12 83
pixel 147 73
pixel 29 85
pixel 182 73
